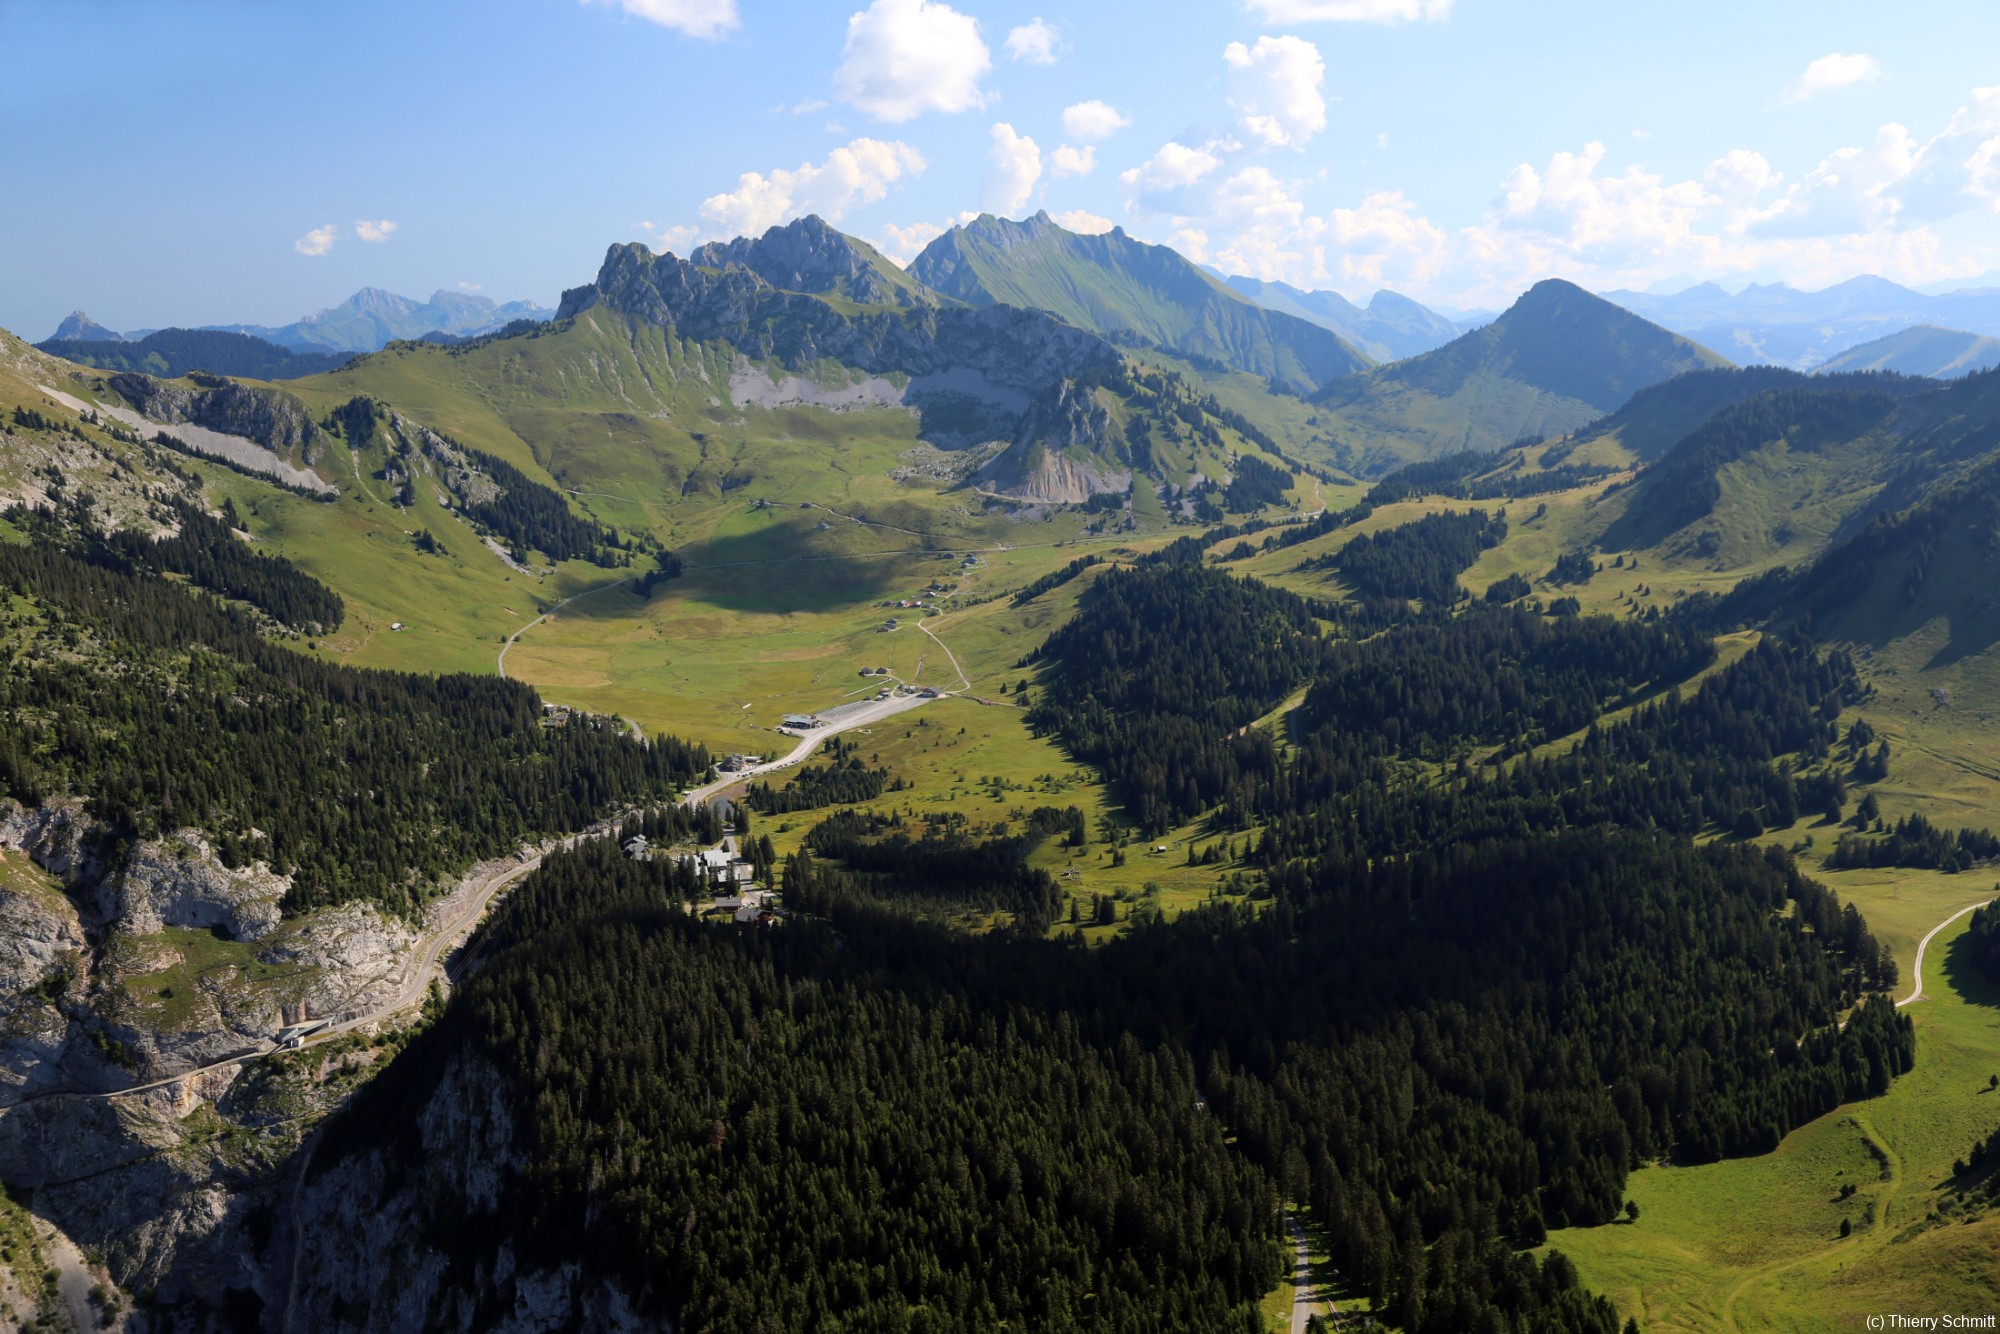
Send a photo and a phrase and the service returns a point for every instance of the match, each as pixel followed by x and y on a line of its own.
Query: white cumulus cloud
pixel 1385 241
pixel 1852 190
pixel 1274 87
pixel 1350 11
pixel 1960 167
pixel 695 18
pixel 1585 215
pixel 317 241
pixel 857 173
pixel 1259 226
pixel 375 231
pixel 1834 71
pixel 906 57
pixel 1084 223
pixel 1016 168
pixel 1741 173
pixel 1174 166
pixel 1069 160
pixel 1599 218
pixel 1035 43
pixel 1093 121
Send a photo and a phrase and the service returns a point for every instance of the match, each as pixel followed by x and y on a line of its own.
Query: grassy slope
pixel 1113 284
pixel 1923 349
pixel 1754 1243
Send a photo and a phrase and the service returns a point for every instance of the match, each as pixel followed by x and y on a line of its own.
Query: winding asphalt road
pixel 441 939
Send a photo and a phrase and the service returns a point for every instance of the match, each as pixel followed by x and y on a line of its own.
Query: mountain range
pixel 1389 328
pixel 174 352
pixel 365 322
pixel 1783 325
pixel 830 322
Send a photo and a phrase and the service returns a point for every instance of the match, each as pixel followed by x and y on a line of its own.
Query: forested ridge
pixel 1154 682
pixel 199 546
pixel 770 1131
pixel 863 1121
pixel 1495 675
pixel 1421 559
pixel 357 783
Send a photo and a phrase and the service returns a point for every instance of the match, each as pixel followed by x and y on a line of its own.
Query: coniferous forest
pixel 357 784
pixel 1480 987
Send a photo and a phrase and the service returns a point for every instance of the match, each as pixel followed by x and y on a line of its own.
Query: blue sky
pixel 203 161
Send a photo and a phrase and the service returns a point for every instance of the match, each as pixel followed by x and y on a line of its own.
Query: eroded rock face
pixel 270 417
pixel 54 835
pixel 42 959
pixel 806 255
pixel 1019 348
pixel 179 881
pixel 130 971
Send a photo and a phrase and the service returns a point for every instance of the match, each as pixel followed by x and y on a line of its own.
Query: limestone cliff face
pixel 1023 349
pixel 975 376
pixel 1062 453
pixel 122 966
pixel 42 959
pixel 374 1229
pixel 179 881
pixel 270 417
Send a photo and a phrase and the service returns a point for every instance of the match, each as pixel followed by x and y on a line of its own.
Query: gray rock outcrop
pixel 271 417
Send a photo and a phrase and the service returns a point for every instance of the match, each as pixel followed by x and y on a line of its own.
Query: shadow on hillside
pixel 785 570
pixel 1965 978
pixel 1973 631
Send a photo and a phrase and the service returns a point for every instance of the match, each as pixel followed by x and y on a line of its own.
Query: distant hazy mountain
pixel 1940 354
pixel 1133 293
pixel 1785 326
pixel 1987 282
pixel 174 352
pixel 1557 359
pixel 1389 328
pixel 371 318
pixel 80 328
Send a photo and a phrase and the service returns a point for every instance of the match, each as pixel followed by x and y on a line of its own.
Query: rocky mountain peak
pixel 807 255
pixel 79 327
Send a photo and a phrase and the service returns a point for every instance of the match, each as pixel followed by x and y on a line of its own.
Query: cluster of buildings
pixel 923 601
pixel 735 893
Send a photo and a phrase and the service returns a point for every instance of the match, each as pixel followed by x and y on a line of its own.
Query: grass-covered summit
pixel 1130 292
pixel 1557 359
